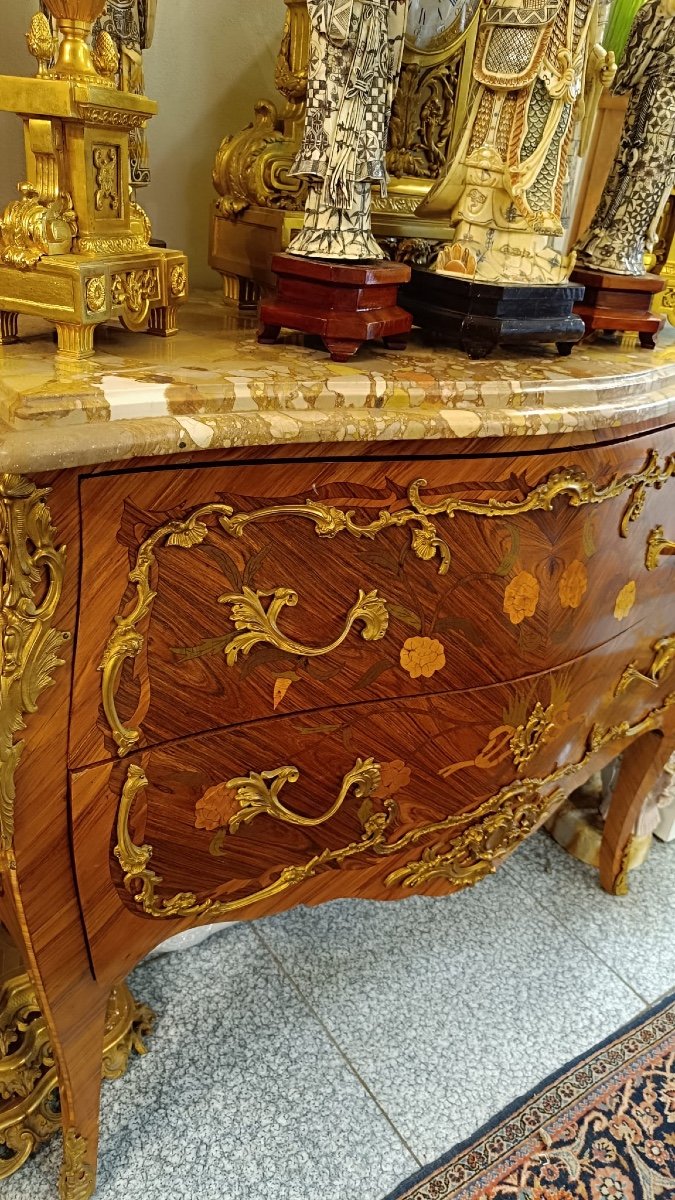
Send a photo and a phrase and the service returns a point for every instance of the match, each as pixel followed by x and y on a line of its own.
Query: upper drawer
pixel 213 596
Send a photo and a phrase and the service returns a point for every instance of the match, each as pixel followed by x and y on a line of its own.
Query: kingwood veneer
pixel 288 674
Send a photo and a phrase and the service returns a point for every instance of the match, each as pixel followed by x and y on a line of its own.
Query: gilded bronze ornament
pixel 482 838
pixel 77 1180
pixel 32 569
pixel 127 640
pixel 258 623
pixel 662 662
pixel 657 545
pixel 258 794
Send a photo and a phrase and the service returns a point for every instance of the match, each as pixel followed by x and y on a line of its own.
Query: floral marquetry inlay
pixel 479 839
pixel 257 614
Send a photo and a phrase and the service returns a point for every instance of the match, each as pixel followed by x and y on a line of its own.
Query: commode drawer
pixel 227 594
pixel 423 794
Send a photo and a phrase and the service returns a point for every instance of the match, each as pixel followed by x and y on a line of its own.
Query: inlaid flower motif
pixel 611 1184
pixel 573 584
pixel 422 656
pixel 394 776
pixel 625 600
pixel 214 809
pixel 521 597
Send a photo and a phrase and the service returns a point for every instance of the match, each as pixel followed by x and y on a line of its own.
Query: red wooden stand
pixel 620 302
pixel 346 304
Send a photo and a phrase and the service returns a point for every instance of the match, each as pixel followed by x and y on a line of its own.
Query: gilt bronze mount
pixel 75 247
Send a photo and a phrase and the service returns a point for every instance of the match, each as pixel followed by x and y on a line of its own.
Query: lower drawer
pixel 376 800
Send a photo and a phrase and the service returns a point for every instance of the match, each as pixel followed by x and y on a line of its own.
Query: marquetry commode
pixel 276 631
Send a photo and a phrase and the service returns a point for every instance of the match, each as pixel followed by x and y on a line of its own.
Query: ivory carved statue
pixel 356 50
pixel 625 225
pixel 537 66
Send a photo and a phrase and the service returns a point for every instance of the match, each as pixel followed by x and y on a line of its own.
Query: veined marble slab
pixel 214 387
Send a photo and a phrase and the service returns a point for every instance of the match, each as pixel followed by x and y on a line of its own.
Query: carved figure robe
pixel 356 49
pixel 642 177
pixel 535 63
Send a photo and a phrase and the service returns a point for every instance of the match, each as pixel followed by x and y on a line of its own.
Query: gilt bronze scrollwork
pixel 657 546
pixel 664 657
pixel 258 624
pixel 481 838
pixel 127 640
pixel 31 581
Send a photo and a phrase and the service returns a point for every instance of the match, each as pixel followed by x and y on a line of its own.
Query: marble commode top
pixel 213 386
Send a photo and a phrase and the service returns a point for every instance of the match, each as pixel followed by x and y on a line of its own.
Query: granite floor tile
pixel 450 1009
pixel 243 1096
pixel 634 934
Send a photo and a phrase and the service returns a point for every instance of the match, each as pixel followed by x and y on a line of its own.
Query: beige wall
pixel 211 60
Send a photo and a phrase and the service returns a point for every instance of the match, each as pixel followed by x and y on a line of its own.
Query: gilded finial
pixel 105 54
pixel 42 43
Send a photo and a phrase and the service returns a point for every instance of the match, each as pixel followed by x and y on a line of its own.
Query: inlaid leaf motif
pixel 281 686
pixel 573 584
pixel 406 615
pixel 373 673
pixel 625 600
pixel 511 557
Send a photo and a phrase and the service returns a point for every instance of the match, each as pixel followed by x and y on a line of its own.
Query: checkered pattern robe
pixel 355 57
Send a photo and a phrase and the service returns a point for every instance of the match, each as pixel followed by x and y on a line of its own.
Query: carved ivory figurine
pixel 355 58
pixel 536 65
pixel 625 225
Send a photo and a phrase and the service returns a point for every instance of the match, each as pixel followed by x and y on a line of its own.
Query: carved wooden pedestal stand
pixel 620 302
pixel 481 316
pixel 346 304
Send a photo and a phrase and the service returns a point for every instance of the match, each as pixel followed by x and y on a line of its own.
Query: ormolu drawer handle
pixel 259 793
pixel 657 544
pixel 259 624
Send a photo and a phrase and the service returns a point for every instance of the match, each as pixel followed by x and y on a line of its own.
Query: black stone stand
pixel 478 317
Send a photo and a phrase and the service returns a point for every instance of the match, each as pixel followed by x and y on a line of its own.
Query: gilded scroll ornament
pixel 126 640
pixel 481 837
pixel 657 545
pixel 133 291
pixel 77 1176
pixel 259 624
pixel 31 229
pixel 106 166
pixel 529 738
pixel 664 657
pixel 476 852
pixel 32 570
pixel 259 794
pixel 29 1083
pixel 134 860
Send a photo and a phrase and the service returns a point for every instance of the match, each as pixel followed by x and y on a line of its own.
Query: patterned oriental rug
pixel 603 1128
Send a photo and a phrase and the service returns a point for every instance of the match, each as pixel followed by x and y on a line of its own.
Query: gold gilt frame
pixel 260 205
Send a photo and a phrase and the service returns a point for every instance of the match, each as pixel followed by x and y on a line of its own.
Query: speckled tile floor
pixel 325 1054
